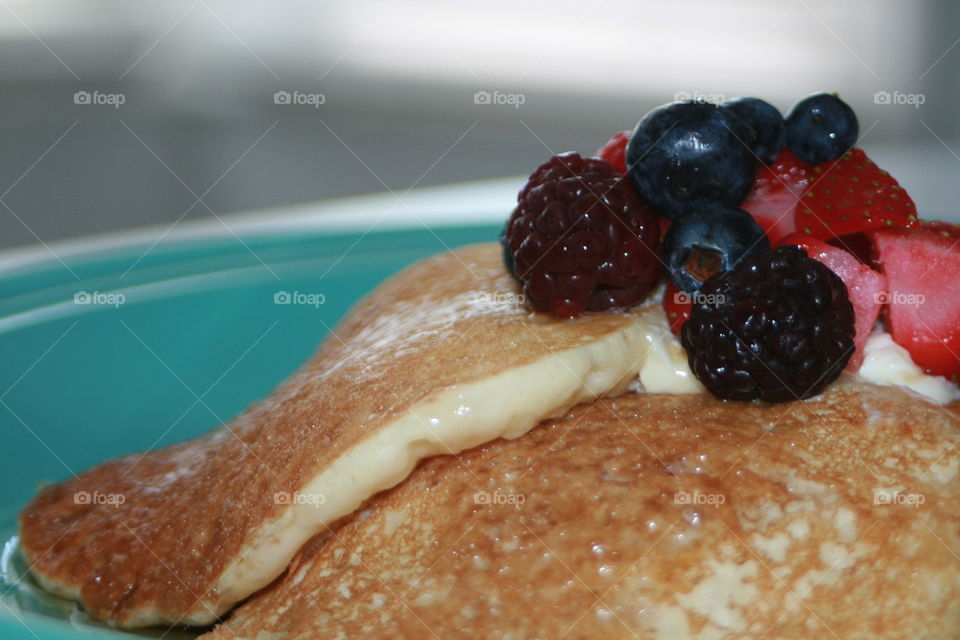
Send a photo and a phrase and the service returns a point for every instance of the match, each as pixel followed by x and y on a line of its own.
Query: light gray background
pixel 199 131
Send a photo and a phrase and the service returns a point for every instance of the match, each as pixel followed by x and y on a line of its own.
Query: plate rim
pixel 449 205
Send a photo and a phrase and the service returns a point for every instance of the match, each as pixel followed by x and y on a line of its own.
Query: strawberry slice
pixel 614 151
pixel 677 306
pixel 851 195
pixel 942 227
pixel 865 287
pixel 776 190
pixel 665 223
pixel 923 307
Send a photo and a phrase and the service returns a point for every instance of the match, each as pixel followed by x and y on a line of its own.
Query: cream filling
pixel 505 405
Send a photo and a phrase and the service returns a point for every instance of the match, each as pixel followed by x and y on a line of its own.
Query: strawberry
pixel 865 287
pixel 851 195
pixel 665 223
pixel 776 190
pixel 923 308
pixel 677 306
pixel 613 151
pixel 946 229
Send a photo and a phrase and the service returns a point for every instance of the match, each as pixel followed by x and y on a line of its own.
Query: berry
pixel 923 308
pixel 943 228
pixel 821 128
pixel 766 129
pixel 852 196
pixel 776 190
pixel 711 239
pixel 866 287
pixel 614 150
pixel 778 327
pixel 686 154
pixel 676 304
pixel 580 239
pixel 664 227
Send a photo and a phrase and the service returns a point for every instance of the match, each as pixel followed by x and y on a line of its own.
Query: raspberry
pixel 778 327
pixel 580 239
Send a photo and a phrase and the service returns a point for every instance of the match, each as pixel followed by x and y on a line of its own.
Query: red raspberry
pixel 580 239
pixel 614 151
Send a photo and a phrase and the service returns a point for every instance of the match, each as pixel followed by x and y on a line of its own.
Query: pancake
pixel 438 359
pixel 653 516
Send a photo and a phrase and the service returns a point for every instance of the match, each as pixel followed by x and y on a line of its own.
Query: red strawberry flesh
pixel 923 305
pixel 775 193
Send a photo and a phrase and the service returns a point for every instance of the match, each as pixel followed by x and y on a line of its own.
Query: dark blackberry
pixel 777 327
pixel 580 238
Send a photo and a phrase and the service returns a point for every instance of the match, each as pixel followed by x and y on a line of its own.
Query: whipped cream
pixel 886 362
pixel 665 368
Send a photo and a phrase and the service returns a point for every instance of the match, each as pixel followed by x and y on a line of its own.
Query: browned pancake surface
pixel 191 509
pixel 808 524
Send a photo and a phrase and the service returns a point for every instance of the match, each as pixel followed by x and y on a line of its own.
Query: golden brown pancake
pixel 653 516
pixel 438 359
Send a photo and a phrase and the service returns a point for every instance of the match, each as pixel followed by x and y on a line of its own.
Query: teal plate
pixel 125 349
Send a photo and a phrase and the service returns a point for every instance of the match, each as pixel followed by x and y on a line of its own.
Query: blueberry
pixel 687 154
pixel 767 130
pixel 710 239
pixel 821 128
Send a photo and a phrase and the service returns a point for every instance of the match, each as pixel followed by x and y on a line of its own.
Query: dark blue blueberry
pixel 687 154
pixel 821 128
pixel 766 129
pixel 711 239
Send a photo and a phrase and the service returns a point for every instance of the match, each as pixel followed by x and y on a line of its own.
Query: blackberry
pixel 581 240
pixel 777 327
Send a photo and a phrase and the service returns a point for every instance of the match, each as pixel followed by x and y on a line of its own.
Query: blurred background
pixel 117 114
